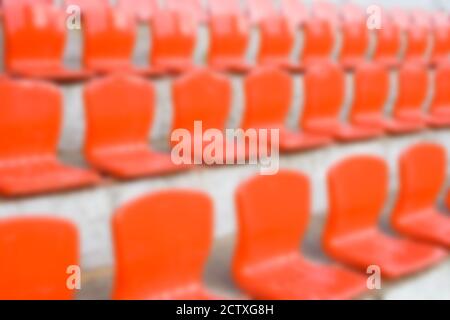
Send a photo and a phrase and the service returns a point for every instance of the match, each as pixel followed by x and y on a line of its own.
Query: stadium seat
pixel 411 96
pixel 355 36
pixel 205 96
pixel 418 36
pixel 224 7
pixel 35 37
pixel 357 189
pixel 321 111
pixel 35 254
pixel 371 94
pixel 161 244
pixel 229 38
pixel 173 42
pixel 119 112
pixel 441 37
pixel 259 10
pixel 389 42
pixel 277 43
pixel 272 216
pixel 141 10
pixel 269 95
pixel 294 11
pixel 30 116
pixel 109 40
pixel 439 113
pixel 422 177
pixel 319 39
pixel 193 8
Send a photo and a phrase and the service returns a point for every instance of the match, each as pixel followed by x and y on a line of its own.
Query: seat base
pixel 192 292
pixel 296 141
pixel 59 74
pixel 391 126
pixel 343 132
pixel 231 65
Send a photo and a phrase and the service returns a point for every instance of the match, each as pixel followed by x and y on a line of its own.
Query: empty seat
pixel 229 38
pixel 418 36
pixel 259 10
pixel 224 7
pixel 30 116
pixel 388 43
pixel 371 94
pixel 319 39
pixel 439 113
pixel 193 8
pixel 321 112
pixel 173 41
pixel 35 256
pixel 119 112
pixel 141 10
pixel 35 37
pixel 422 177
pixel 357 189
pixel 441 37
pixel 294 11
pixel 205 96
pixel 272 217
pixel 269 95
pixel 161 244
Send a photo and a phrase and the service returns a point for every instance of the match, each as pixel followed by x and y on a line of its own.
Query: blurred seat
pixel 119 112
pixel 35 37
pixel 174 36
pixel 202 96
pixel 272 217
pixel 141 10
pixel 31 116
pixel 419 32
pixel 441 37
pixel 422 176
pixel 161 244
pixel 389 42
pixel 371 94
pixel 439 113
pixel 269 95
pixel 319 38
pixel 259 10
pixel 35 255
pixel 321 112
pixel 224 7
pixel 193 8
pixel 229 38
pixel 357 189
pixel 294 11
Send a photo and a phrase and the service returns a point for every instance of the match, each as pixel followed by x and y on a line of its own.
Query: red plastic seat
pixel 28 162
pixel 319 40
pixel 439 113
pixel 229 38
pixel 205 96
pixel 422 176
pixel 161 243
pixel 389 43
pixel 294 11
pixel 321 111
pixel 412 93
pixel 272 214
pixel 141 10
pixel 193 8
pixel 357 189
pixel 418 36
pixel 441 36
pixel 269 94
pixel 372 87
pixel 224 7
pixel 173 42
pixel 119 113
pixel 35 254
pixel 35 37
pixel 259 10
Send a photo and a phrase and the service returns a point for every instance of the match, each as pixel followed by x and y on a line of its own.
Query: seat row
pixel 162 240
pixel 35 37
pixel 119 113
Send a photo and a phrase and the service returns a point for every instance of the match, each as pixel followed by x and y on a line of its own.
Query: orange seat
pixel 389 42
pixel 269 94
pixel 224 7
pixel 35 37
pixel 28 162
pixel 141 10
pixel 412 93
pixel 161 244
pixel 441 36
pixel 193 8
pixel 439 113
pixel 319 40
pixel 272 216
pixel 35 254
pixel 259 10
pixel 357 189
pixel 173 42
pixel 276 43
pixel 418 36
pixel 229 37
pixel 371 94
pixel 119 112
pixel 294 11
pixel 321 111
pixel 205 96
pixel 422 176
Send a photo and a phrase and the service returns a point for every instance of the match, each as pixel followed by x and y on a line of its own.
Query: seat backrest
pixel 272 216
pixel 268 95
pixel 276 38
pixel 388 43
pixel 259 10
pixel 30 116
pixel 35 34
pixel 161 242
pixel 371 91
pixel 142 10
pixel 441 98
pixel 201 95
pixel 193 8
pixel 119 112
pixel 422 169
pixel 173 35
pixel 354 32
pixel 318 106
pixel 441 35
pixel 224 7
pixel 357 191
pixel 325 10
pixel 295 11
pixel 109 36
pixel 36 253
pixel 419 35
pixel 319 40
